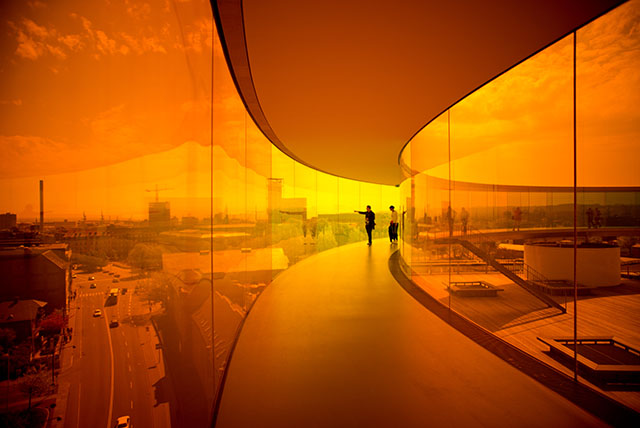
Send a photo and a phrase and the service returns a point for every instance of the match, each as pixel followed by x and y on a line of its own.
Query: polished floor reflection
pixel 335 341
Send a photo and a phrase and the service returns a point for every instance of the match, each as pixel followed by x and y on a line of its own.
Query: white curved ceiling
pixel 342 86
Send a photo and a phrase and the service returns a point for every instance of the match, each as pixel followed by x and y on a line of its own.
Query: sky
pixel 104 100
pixel 85 84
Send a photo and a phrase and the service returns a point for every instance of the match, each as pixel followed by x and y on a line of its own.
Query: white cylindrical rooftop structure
pixel 597 266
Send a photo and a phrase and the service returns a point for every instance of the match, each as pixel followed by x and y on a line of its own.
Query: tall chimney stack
pixel 41 207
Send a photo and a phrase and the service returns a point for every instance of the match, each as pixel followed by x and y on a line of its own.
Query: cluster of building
pixel 36 280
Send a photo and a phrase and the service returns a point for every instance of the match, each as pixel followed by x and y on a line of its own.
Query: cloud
pixel 56 51
pixel 16 102
pixel 72 41
pixel 152 44
pixel 86 24
pixel 37 4
pixel 145 30
pixel 141 45
pixel 27 47
pixel 35 41
pixel 198 36
pixel 119 43
pixel 28 155
pixel 35 30
pixel 112 125
pixel 105 44
pixel 138 10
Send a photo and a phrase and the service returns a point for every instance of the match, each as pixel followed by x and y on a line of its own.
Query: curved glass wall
pixel 166 211
pixel 489 194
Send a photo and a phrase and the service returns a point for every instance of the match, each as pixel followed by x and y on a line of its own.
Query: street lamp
pixel 53 379
pixel 8 376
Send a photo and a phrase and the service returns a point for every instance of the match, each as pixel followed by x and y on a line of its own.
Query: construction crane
pixel 157 190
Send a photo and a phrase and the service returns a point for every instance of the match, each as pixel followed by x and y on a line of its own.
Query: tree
pixel 7 337
pixel 159 284
pixel 145 256
pixel 89 263
pixel 19 359
pixel 34 384
pixel 156 288
pixel 52 324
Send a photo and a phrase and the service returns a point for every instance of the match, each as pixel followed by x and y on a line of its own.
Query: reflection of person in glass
pixel 369 221
pixel 597 219
pixel 451 218
pixel 517 218
pixel 589 217
pixel 464 218
pixel 393 225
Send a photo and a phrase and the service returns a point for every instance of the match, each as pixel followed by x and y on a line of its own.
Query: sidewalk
pixel 66 363
pixel 154 361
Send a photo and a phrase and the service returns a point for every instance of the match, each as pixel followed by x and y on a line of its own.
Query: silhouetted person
pixel 393 225
pixel 464 218
pixel 589 218
pixel 517 218
pixel 369 221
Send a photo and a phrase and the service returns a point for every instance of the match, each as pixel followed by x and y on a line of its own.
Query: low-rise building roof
pixel 19 310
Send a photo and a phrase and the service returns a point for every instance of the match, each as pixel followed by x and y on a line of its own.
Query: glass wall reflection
pixel 111 112
pixel 270 212
pixel 489 191
pixel 166 211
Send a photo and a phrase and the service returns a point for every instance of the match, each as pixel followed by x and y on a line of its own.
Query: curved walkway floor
pixel 334 341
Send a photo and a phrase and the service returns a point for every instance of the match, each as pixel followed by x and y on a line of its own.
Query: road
pixel 112 369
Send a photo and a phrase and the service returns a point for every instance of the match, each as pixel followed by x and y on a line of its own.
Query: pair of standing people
pixel 370 223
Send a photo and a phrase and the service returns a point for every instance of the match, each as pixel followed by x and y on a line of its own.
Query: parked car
pixel 115 280
pixel 114 323
pixel 91 278
pixel 93 285
pixel 97 313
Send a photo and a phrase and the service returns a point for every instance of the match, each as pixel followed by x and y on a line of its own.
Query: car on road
pixel 97 313
pixel 114 323
pixel 91 278
pixel 123 422
pixel 93 285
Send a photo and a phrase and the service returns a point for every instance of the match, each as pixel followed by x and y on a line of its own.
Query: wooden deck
pixel 519 318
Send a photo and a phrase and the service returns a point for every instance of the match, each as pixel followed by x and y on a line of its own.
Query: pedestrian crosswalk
pixel 95 293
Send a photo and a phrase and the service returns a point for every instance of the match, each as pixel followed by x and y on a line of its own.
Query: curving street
pixel 111 370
